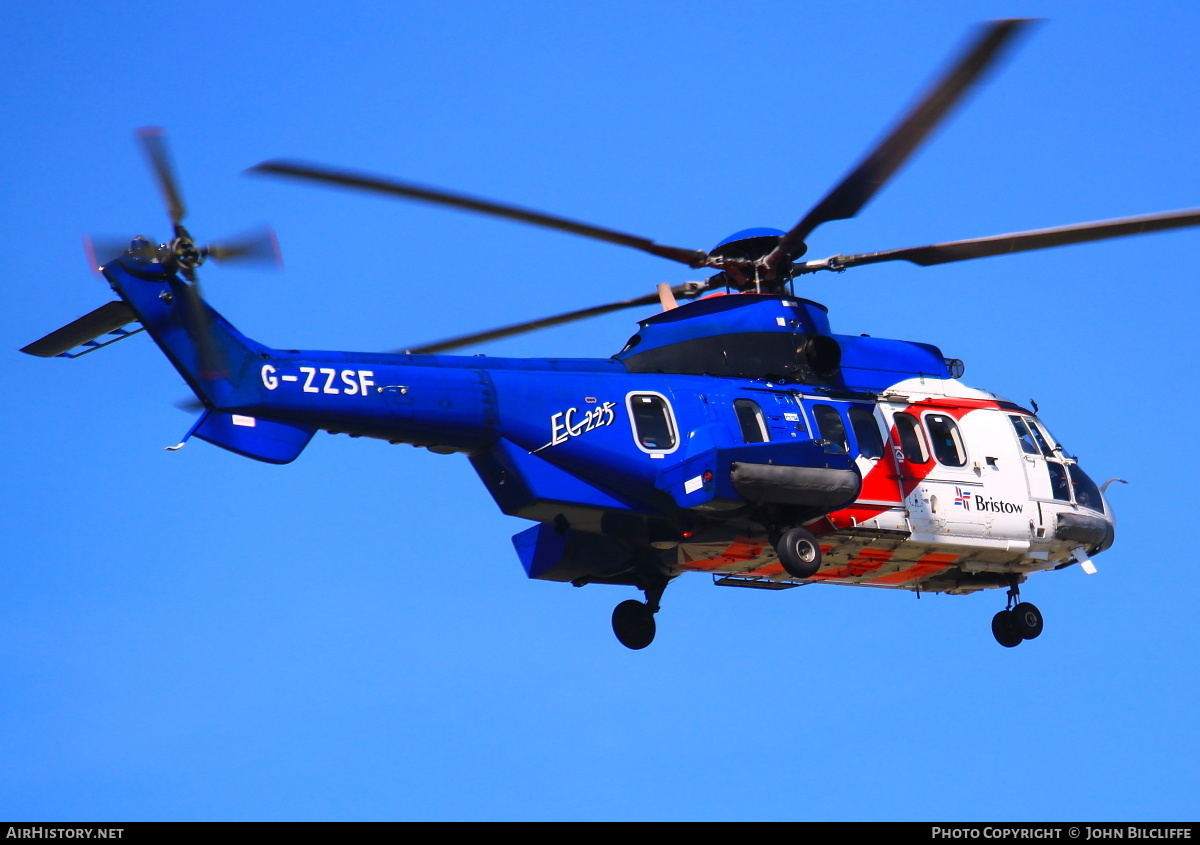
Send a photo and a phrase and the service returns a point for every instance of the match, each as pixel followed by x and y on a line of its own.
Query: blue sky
pixel 192 635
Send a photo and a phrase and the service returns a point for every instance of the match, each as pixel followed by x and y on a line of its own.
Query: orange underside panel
pixel 768 571
pixel 867 560
pixel 927 565
pixel 736 552
pixel 860 567
pixel 702 565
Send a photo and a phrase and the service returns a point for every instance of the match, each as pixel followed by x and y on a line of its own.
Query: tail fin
pixel 207 351
pixel 204 347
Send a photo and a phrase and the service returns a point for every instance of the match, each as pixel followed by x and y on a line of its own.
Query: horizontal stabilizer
pixel 108 319
pixel 264 440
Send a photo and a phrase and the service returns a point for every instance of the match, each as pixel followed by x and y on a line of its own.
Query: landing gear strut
pixel 1019 621
pixel 633 621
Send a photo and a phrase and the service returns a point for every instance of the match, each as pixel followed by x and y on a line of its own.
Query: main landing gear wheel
pixel 633 623
pixel 1027 620
pixel 1004 629
pixel 799 553
pixel 1019 621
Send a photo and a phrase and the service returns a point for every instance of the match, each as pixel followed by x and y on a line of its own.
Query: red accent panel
pixel 880 483
pixel 855 515
pixel 957 408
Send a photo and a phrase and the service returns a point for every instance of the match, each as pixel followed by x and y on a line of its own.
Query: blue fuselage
pixel 641 446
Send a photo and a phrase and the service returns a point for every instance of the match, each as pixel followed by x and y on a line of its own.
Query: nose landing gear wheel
pixel 1004 629
pixel 1027 620
pixel 799 553
pixel 633 623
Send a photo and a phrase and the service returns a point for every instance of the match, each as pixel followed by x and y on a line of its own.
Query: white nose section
pixel 1085 563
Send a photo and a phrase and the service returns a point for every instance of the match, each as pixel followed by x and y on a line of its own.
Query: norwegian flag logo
pixel 962 499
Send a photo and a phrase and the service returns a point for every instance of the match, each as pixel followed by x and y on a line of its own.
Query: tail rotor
pixel 182 254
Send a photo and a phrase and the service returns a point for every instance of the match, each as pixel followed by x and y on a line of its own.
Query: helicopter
pixel 734 434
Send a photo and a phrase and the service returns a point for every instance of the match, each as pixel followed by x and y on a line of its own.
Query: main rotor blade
pixel 379 184
pixel 944 253
pixel 156 151
pixel 861 184
pixel 684 291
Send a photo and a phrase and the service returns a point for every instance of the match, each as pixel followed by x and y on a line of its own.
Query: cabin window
pixel 1023 435
pixel 1087 494
pixel 947 443
pixel 830 426
pixel 1060 488
pixel 750 418
pixel 653 424
pixel 866 432
pixel 911 442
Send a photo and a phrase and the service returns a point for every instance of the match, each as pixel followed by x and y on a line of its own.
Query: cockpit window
pixel 911 441
pixel 1055 444
pixel 652 422
pixel 1027 444
pixel 1060 489
pixel 750 418
pixel 1087 494
pixel 947 443
pixel 830 426
pixel 1041 440
pixel 866 432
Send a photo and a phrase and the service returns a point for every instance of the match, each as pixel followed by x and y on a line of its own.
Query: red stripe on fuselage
pixel 882 484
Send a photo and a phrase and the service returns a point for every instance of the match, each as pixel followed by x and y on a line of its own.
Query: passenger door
pixel 781 415
pixel 855 428
pixel 953 483
pixel 912 462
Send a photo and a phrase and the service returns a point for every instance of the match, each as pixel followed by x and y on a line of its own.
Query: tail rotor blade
pixel 190 405
pixel 152 138
pixel 257 247
pixel 213 364
pixel 101 249
pixel 92 249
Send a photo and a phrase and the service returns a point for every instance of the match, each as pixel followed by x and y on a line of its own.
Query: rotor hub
pixel 748 243
pixel 186 255
pixel 740 258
